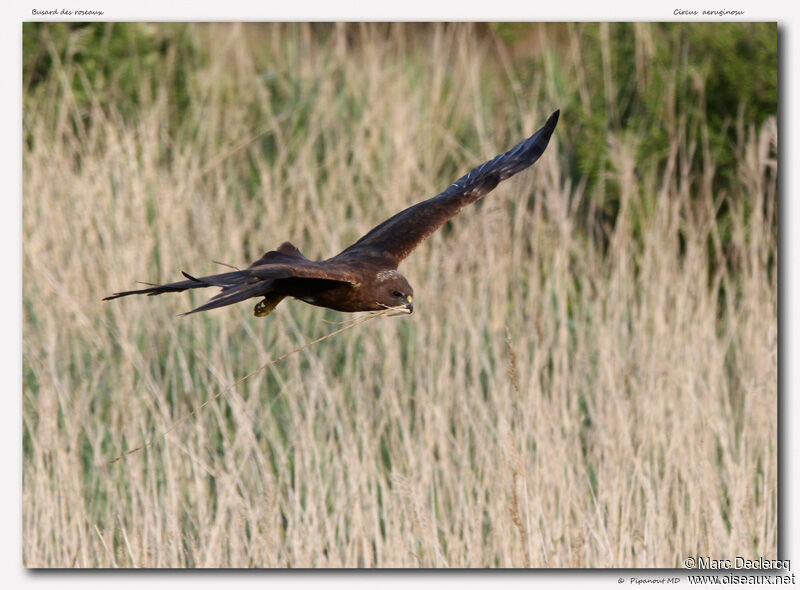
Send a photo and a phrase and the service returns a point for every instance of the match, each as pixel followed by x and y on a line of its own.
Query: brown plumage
pixel 364 276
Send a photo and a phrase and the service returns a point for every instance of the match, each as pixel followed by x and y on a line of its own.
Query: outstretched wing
pixel 255 281
pixel 400 234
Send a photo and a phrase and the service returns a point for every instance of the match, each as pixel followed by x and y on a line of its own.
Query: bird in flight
pixel 364 276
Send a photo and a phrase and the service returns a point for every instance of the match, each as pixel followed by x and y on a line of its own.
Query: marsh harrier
pixel 364 276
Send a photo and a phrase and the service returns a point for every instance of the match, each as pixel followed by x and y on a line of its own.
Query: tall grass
pixel 570 392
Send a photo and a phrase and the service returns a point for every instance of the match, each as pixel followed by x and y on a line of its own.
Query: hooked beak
pixel 410 304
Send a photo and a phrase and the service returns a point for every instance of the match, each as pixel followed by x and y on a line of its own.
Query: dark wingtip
pixel 543 135
pixel 150 286
pixel 539 140
pixel 553 119
pixel 116 296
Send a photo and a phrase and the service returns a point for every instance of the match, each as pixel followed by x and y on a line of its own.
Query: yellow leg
pixel 266 305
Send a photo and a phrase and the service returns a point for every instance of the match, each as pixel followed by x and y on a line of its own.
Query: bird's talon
pixel 266 305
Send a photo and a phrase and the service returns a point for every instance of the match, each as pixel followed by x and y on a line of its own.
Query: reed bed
pixel 568 393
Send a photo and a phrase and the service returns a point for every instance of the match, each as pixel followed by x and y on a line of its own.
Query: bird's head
pixel 394 291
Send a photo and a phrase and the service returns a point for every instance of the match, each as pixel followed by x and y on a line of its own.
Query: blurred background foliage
pixel 706 78
pixel 119 63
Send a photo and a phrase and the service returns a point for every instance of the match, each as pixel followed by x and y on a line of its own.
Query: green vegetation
pixel 117 65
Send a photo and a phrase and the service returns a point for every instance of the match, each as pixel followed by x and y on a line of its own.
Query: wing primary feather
pixel 400 234
pixel 191 278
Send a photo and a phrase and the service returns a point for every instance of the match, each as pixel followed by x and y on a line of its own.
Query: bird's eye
pixel 397 294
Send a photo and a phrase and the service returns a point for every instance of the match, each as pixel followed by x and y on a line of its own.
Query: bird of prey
pixel 364 276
